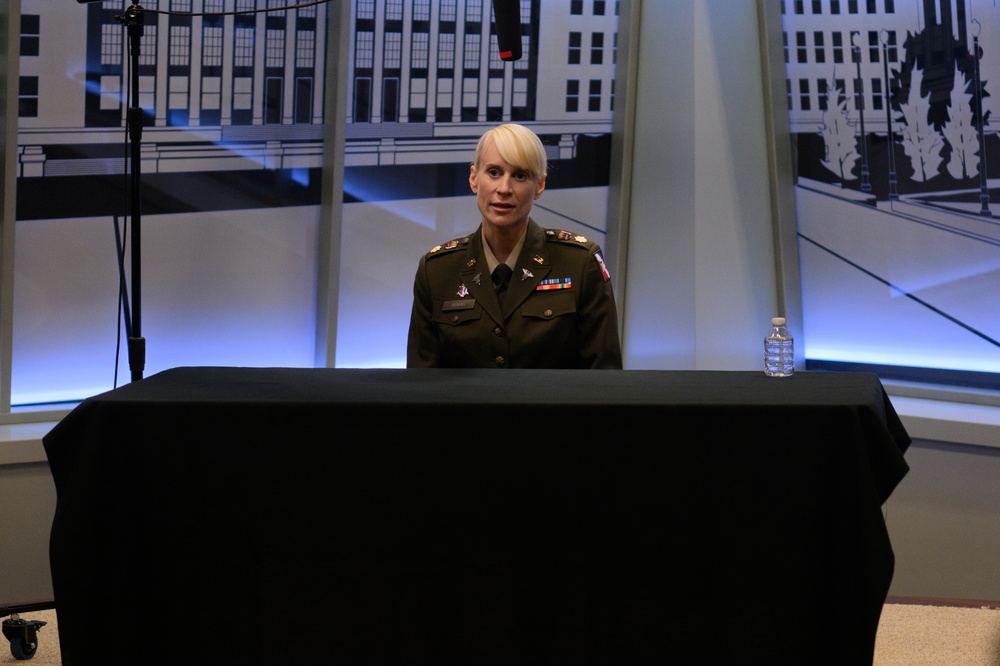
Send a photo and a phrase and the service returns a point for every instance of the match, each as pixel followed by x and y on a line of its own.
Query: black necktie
pixel 501 276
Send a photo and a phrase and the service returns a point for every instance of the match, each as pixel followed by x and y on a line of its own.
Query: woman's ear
pixel 540 187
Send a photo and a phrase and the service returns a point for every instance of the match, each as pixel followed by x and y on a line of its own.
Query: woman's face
pixel 504 193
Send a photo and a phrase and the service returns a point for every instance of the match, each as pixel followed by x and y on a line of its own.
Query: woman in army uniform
pixel 512 294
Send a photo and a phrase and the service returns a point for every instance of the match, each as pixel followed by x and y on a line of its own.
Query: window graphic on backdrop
pixel 893 106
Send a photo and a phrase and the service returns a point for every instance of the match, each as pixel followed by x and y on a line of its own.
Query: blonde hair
pixel 518 146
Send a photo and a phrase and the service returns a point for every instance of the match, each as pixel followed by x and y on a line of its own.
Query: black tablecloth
pixel 471 517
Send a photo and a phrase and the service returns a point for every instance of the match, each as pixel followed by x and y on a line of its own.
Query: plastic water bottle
pixel 779 350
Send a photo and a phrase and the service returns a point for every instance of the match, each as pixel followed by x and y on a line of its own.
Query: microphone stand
pixel 133 21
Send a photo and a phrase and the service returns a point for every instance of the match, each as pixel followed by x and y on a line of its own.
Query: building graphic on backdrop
pixel 222 90
pixel 230 85
pixel 893 111
pixel 426 71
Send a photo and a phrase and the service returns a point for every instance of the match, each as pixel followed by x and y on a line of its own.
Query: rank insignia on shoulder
pixel 555 283
pixel 450 245
pixel 566 236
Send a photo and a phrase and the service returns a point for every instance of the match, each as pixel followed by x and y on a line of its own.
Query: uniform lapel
pixel 476 277
pixel 532 267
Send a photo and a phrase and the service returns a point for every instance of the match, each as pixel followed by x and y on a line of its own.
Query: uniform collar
pixel 491 260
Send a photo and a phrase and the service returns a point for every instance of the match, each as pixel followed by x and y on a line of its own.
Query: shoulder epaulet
pixel 450 246
pixel 568 237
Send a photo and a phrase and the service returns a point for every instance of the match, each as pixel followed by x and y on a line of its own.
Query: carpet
pixel 911 633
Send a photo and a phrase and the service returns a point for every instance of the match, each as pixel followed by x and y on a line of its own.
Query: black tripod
pixel 133 20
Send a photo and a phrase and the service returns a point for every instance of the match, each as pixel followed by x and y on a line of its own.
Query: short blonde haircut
pixel 518 146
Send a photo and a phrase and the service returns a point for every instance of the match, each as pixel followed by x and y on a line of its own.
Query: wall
pixel 27 504
pixel 942 522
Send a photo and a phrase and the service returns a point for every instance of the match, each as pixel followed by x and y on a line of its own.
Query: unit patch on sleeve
pixel 604 269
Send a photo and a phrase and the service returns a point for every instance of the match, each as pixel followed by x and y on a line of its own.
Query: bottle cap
pixel 778 321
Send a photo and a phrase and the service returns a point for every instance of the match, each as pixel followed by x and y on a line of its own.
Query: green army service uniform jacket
pixel 558 312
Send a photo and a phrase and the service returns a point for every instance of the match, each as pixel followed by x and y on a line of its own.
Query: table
pixel 269 515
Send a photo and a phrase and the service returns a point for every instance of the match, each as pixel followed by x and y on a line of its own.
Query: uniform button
pixel 454 318
pixel 500 361
pixel 498 331
pixel 548 313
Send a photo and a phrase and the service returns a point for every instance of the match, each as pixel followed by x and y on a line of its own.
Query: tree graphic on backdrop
pixel 840 140
pixel 961 132
pixel 922 143
pixel 942 112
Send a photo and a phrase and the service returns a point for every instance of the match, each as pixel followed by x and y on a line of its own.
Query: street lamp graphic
pixel 984 190
pixel 890 138
pixel 859 97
